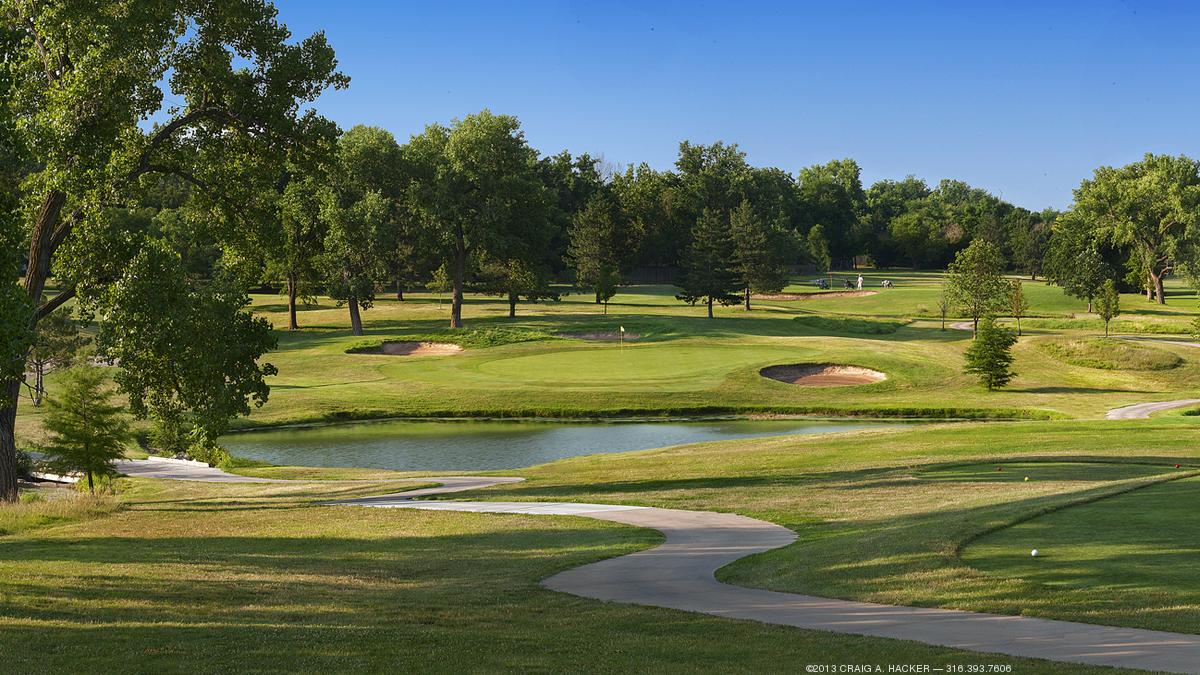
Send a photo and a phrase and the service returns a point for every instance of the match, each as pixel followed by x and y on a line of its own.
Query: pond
pixel 481 445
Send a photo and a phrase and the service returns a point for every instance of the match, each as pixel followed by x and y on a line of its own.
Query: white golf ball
pixel 1034 553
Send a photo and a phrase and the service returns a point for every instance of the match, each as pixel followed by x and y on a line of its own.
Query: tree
pixel 832 195
pixel 600 247
pixel 976 280
pixel 228 89
pixel 818 248
pixel 298 257
pixel 762 251
pixel 478 192
pixel 54 347
pixel 514 279
pixel 945 302
pixel 709 274
pixel 1074 261
pixel 357 212
pixel 990 355
pixel 1018 304
pixel 1108 304
pixel 86 431
pixel 1152 206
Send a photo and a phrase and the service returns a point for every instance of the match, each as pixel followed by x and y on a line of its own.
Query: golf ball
pixel 1034 553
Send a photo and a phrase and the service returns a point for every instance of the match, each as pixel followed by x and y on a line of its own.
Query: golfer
pixel 860 282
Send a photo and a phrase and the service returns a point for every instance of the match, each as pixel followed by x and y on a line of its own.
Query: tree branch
pixel 54 303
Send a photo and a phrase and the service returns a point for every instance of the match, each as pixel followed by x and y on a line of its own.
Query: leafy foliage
pixel 1108 305
pixel 975 280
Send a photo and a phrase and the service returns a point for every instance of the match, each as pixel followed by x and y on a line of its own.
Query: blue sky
pixel 1022 99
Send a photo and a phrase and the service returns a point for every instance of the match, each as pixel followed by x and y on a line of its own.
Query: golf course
pixel 577 337
pixel 939 511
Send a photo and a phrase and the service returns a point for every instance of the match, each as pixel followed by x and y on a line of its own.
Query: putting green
pixel 663 366
pixel 1142 541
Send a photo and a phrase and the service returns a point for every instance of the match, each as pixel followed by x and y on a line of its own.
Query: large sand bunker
pixel 820 295
pixel 603 335
pixel 822 375
pixel 415 349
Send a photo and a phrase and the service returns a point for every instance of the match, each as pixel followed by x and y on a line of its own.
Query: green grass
pixel 1111 354
pixel 470 338
pixel 42 507
pixel 852 325
pixel 882 515
pixel 256 578
pixel 1137 543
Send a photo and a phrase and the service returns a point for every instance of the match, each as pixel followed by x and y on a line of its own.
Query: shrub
pixel 202 448
pixel 24 464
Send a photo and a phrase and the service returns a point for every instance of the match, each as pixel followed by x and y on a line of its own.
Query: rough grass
pixel 256 578
pixel 850 325
pixel 1111 354
pixel 472 338
pixel 42 507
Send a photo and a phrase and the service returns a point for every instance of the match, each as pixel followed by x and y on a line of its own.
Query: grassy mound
pixel 1110 354
pixel 471 338
pixel 852 325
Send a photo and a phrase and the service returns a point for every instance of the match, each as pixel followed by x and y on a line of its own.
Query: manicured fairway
pixel 1143 542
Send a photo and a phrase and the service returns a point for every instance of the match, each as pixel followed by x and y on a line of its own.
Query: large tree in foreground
pixel 84 80
pixel 477 189
pixel 1151 206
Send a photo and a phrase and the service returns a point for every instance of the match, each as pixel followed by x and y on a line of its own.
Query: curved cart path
pixel 1141 411
pixel 679 574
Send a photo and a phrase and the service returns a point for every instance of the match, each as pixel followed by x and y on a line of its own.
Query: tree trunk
pixel 355 319
pixel 8 443
pixel 606 308
pixel 292 291
pixel 747 298
pixel 399 292
pixel 39 384
pixel 456 302
pixel 512 306
pixel 598 298
pixel 1089 306
pixel 710 303
pixel 1018 326
pixel 1158 287
pixel 91 484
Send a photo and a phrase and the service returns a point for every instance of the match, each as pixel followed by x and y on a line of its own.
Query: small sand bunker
pixel 812 296
pixel 417 349
pixel 822 375
pixel 603 335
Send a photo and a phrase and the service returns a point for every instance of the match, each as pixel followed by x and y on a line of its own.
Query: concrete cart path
pixel 1141 411
pixel 679 574
pixel 173 469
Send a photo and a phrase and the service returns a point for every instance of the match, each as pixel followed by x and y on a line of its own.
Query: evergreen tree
pixel 599 247
pixel 990 354
pixel 1108 304
pixel 86 431
pixel 709 274
pixel 762 251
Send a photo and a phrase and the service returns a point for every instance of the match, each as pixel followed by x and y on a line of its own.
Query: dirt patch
pixel 415 349
pixel 610 335
pixel 822 375
pixel 812 296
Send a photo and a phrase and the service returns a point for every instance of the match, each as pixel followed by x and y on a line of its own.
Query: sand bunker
pixel 812 296
pixel 822 375
pixel 602 335
pixel 416 349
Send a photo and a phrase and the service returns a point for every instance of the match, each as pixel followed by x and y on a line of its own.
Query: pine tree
pixel 990 354
pixel 762 251
pixel 86 431
pixel 709 273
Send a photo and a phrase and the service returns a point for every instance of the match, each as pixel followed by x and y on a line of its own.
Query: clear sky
pixel 1023 99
